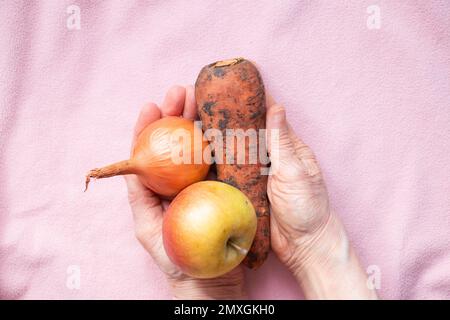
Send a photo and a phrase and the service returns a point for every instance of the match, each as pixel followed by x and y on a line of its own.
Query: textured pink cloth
pixel 374 104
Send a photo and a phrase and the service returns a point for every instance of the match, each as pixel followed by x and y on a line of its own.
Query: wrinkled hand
pixel 148 210
pixel 296 190
pixel 306 236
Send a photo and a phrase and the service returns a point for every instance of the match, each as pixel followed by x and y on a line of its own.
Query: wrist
pixel 319 247
pixel 227 287
pixel 326 266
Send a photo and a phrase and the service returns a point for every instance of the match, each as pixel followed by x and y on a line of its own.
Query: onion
pixel 167 157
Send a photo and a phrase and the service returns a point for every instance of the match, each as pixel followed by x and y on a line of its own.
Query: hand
pixel 148 210
pixel 305 235
pixel 296 190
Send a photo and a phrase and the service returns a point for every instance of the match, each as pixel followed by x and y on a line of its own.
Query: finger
pixel 279 144
pixel 304 153
pixel 149 113
pixel 298 144
pixel 269 101
pixel 301 149
pixel 173 103
pixel 144 203
pixel 146 208
pixel 190 106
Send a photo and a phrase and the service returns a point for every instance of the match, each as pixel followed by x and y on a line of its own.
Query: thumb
pixel 280 147
pixel 147 214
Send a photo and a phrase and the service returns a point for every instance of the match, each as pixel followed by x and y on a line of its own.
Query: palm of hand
pixel 148 209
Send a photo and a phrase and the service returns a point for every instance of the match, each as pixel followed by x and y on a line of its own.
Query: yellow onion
pixel 167 157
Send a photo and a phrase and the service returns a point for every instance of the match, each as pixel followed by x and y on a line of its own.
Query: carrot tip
pixel 228 62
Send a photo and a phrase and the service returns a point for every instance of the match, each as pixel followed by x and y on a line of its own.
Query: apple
pixel 208 229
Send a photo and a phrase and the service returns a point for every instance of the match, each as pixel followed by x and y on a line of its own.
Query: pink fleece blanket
pixel 365 83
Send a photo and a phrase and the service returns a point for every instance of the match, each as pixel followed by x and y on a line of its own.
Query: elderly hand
pixel 148 210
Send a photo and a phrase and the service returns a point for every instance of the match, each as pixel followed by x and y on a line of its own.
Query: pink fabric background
pixel 373 104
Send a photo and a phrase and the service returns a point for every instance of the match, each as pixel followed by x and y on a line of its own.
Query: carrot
pixel 230 95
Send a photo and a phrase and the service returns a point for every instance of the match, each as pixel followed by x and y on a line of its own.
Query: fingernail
pixel 279 114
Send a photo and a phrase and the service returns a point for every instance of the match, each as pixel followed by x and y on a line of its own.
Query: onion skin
pixel 152 161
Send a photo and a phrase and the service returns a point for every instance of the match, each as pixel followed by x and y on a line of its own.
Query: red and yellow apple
pixel 208 229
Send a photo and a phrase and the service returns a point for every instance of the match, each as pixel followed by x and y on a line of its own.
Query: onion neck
pixel 115 169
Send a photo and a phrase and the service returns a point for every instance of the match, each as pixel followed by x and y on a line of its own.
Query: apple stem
pixel 238 248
